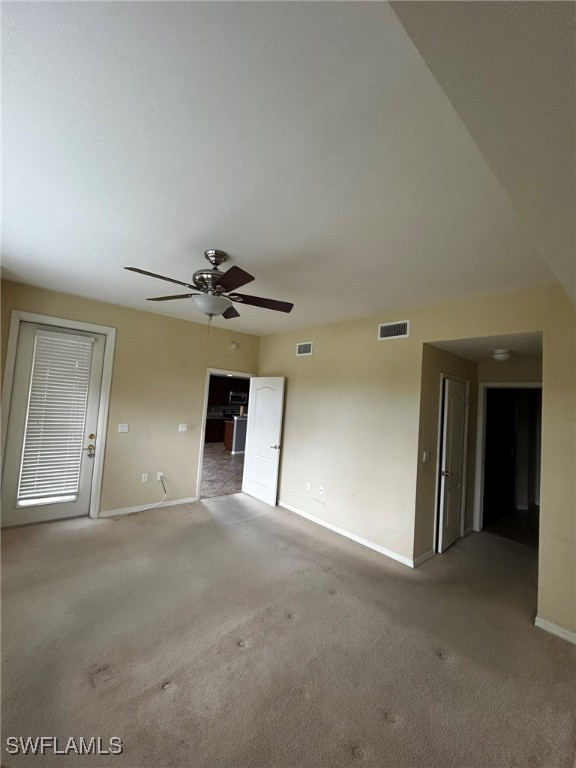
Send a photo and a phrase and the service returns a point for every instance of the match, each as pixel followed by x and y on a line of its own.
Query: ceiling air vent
pixel 303 348
pixel 399 330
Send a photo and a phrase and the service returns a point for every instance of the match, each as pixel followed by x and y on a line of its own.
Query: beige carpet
pixel 227 634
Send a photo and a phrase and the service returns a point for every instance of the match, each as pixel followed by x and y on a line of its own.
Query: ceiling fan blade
pixel 258 301
pixel 168 298
pixel 234 278
pixel 230 313
pixel 160 277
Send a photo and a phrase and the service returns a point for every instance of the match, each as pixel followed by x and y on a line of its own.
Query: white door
pixel 453 461
pixel 262 452
pixel 51 435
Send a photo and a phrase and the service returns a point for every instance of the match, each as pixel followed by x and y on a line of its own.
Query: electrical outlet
pixel 308 486
pixel 144 477
pixel 160 475
pixel 123 427
pixel 320 490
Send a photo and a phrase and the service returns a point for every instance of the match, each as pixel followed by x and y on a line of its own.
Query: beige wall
pixel 517 369
pixel 352 424
pixel 158 382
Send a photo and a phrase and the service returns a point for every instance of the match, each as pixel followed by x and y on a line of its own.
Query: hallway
pixel 520 525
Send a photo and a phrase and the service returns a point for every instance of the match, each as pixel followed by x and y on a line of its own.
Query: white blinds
pixel 56 412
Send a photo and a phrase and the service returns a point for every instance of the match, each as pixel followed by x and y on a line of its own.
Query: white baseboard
pixel 348 535
pixel 554 629
pixel 422 559
pixel 144 507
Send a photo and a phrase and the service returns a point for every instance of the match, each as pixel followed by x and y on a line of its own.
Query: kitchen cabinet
pixel 228 435
pixel 214 431
pixel 221 386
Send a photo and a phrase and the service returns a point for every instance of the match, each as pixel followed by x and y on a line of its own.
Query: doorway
pixel 225 416
pixel 511 481
pixel 56 393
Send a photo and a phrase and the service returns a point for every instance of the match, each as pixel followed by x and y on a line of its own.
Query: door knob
pixel 91 447
pixel 447 474
pixel 276 447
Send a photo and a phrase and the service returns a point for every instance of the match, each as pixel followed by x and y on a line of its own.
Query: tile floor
pixel 221 472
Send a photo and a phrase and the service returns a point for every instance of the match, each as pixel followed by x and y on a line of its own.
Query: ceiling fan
pixel 212 284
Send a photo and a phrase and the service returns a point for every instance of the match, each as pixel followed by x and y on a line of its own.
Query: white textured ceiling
pixel 309 140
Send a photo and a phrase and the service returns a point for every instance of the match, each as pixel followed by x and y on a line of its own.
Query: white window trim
pixel 18 317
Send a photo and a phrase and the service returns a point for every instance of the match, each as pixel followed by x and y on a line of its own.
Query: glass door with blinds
pixel 52 440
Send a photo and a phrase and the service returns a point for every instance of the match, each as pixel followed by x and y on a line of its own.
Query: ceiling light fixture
pixel 501 355
pixel 210 304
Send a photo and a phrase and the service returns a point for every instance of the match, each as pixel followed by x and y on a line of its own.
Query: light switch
pixel 425 456
pixel 182 427
pixel 123 427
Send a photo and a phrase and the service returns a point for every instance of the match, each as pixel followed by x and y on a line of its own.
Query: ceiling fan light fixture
pixel 211 305
pixel 501 354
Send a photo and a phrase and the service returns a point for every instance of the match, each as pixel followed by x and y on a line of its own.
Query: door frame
pixel 213 372
pixel 483 388
pixel 439 448
pixel 18 317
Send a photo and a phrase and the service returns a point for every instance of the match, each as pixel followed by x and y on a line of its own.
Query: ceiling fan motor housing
pixel 206 279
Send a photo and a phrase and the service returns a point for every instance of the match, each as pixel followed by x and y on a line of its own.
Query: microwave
pixel 240 398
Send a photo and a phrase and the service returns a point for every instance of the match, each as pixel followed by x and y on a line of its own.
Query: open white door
pixel 452 469
pixel 262 452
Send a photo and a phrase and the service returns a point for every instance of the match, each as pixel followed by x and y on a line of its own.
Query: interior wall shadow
pixel 512 464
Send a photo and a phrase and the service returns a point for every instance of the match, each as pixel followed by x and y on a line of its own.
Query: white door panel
pixel 262 452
